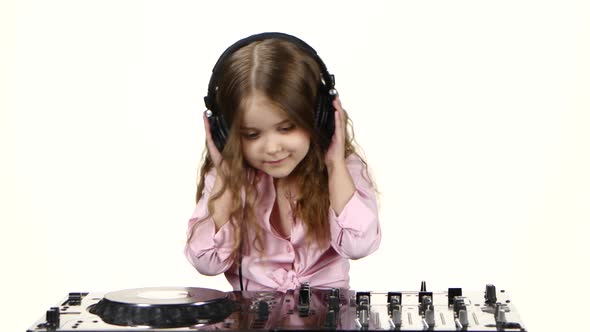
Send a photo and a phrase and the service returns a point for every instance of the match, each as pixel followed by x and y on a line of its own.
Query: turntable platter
pixel 166 295
pixel 163 307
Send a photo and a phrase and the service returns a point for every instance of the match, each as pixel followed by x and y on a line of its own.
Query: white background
pixel 473 115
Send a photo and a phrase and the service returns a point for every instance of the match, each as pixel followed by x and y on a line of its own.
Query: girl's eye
pixel 250 136
pixel 287 128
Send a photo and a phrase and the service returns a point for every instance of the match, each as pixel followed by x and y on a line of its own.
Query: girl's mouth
pixel 276 162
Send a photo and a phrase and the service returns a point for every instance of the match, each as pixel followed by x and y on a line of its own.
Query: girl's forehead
pixel 260 112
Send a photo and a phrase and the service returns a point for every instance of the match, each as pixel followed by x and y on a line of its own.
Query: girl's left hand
pixel 336 151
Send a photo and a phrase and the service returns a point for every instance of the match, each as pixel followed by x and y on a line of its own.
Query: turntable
pixel 306 308
pixel 159 309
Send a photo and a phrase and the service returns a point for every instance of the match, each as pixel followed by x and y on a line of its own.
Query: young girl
pixel 277 203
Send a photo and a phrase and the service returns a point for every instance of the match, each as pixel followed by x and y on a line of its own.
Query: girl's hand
pixel 340 183
pixel 336 152
pixel 214 153
pixel 222 204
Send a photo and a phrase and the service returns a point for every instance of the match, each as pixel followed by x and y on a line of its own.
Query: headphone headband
pixel 324 114
pixel 328 79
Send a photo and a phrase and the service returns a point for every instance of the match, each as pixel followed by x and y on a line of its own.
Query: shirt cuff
pixel 355 215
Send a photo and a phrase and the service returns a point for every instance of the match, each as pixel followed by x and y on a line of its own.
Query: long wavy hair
pixel 290 78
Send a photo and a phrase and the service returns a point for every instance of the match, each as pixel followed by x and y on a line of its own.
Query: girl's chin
pixel 278 175
pixel 278 172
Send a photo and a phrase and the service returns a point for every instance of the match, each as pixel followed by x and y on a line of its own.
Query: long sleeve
pixel 355 232
pixel 208 251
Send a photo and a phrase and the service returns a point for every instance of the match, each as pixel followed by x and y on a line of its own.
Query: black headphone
pixel 324 113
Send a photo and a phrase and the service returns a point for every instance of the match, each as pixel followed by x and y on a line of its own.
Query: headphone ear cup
pixel 219 131
pixel 325 117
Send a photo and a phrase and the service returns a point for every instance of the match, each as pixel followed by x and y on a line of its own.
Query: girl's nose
pixel 272 146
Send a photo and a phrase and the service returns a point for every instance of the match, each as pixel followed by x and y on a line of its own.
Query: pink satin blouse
pixel 288 262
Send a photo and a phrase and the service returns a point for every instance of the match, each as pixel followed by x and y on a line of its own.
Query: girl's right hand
pixel 222 204
pixel 214 153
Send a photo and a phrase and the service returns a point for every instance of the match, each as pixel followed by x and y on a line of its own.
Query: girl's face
pixel 270 141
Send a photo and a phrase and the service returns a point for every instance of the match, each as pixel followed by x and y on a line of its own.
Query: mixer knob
pixel 363 319
pixel 459 304
pixel 262 311
pixel 363 297
pixel 490 296
pixel 391 307
pixel 376 320
pixel 52 317
pixel 501 316
pixel 335 292
pixel 452 293
pixel 396 317
pixel 425 302
pixel 394 298
pixel 334 303
pixel 75 298
pixel 423 296
pixel 428 319
pixel 463 318
pixel 304 299
pixel 330 319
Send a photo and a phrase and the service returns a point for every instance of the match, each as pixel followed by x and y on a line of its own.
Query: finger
pixel 207 130
pixel 338 106
pixel 338 137
pixel 337 103
pixel 340 112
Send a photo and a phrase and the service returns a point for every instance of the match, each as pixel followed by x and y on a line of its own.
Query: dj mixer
pixel 305 308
